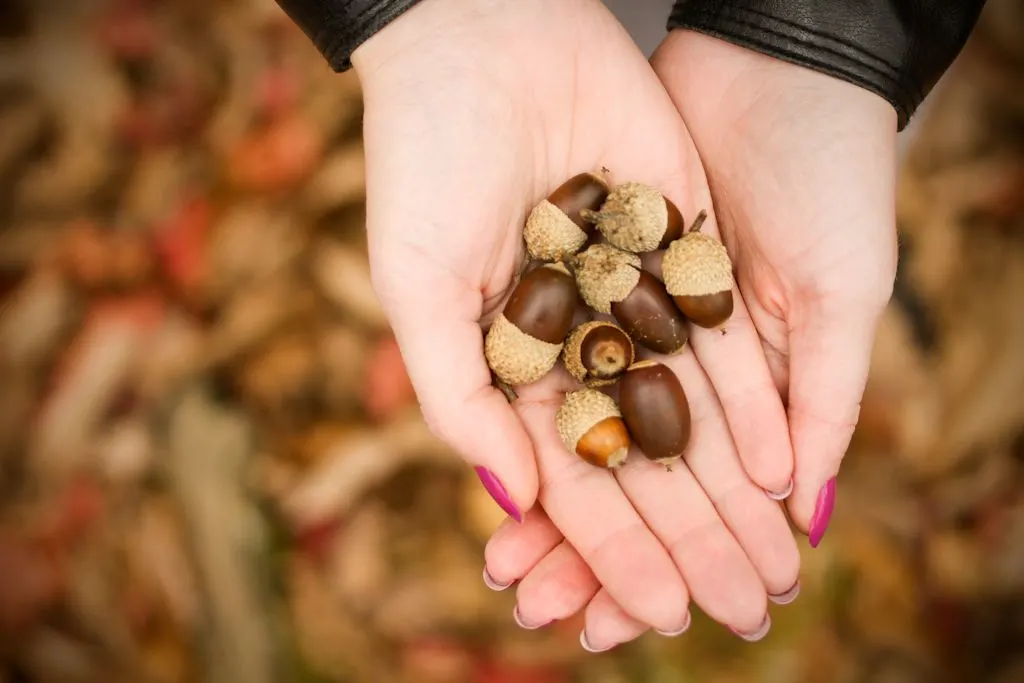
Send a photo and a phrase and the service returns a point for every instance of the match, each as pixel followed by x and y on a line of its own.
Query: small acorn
pixel 698 275
pixel 597 352
pixel 612 281
pixel 638 218
pixel 591 426
pixel 525 341
pixel 555 230
pixel 656 411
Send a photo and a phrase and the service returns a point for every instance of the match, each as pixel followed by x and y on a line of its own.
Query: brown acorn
pixel 611 280
pixel 698 275
pixel 597 352
pixel 592 427
pixel 637 218
pixel 555 230
pixel 525 341
pixel 656 411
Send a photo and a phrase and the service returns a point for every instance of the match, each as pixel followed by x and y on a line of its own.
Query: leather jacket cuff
pixel 338 27
pixel 897 49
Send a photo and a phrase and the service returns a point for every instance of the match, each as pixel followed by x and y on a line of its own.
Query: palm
pixel 467 127
pixel 801 167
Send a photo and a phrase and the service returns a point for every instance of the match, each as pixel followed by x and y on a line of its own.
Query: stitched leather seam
pixel 892 78
pixel 817 32
pixel 902 108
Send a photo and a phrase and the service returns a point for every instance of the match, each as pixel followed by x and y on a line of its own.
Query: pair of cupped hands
pixel 477 110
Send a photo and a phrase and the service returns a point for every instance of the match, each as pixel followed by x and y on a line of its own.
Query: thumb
pixel 435 319
pixel 830 355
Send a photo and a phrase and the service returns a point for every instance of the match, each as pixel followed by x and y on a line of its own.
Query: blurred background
pixel 211 464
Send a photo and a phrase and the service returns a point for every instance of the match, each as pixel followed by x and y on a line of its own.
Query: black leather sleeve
pixel 895 48
pixel 338 27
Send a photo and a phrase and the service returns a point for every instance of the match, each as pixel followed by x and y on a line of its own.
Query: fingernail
pixel 588 647
pixel 782 495
pixel 682 629
pixel 823 511
pixel 498 493
pixel 757 635
pixel 494 584
pixel 787 597
pixel 522 624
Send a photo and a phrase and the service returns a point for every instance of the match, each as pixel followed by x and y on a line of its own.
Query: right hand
pixel 474 112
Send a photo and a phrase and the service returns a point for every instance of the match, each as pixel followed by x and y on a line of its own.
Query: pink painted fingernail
pixel 498 493
pixel 518 618
pixel 757 635
pixel 787 597
pixel 783 494
pixel 493 583
pixel 823 511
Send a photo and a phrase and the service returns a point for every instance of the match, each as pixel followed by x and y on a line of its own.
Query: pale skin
pixel 475 111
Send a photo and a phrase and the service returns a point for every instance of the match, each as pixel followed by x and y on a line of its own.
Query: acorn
pixel 656 411
pixel 555 230
pixel 611 280
pixel 526 339
pixel 698 275
pixel 597 352
pixel 638 218
pixel 591 426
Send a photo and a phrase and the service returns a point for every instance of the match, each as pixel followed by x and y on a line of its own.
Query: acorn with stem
pixel 637 218
pixel 698 275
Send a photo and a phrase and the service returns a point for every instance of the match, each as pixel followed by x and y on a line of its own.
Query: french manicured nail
pixel 498 493
pixel 588 647
pixel 493 583
pixel 757 635
pixel 522 624
pixel 787 597
pixel 680 631
pixel 783 494
pixel 823 511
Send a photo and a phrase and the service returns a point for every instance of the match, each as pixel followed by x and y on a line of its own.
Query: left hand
pixel 801 167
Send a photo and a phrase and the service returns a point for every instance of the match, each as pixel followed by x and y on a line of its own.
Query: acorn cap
pixel 634 217
pixel 572 354
pixel 696 265
pixel 605 275
pixel 516 357
pixel 579 412
pixel 550 235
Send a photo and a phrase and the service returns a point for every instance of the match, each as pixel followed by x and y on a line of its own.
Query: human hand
pixel 475 112
pixel 802 170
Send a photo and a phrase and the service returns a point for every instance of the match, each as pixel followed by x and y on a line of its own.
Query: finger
pixel 607 625
pixel 718 574
pixel 588 506
pixel 558 587
pixel 515 549
pixel 736 365
pixel 756 522
pixel 442 345
pixel 734 359
pixel 830 353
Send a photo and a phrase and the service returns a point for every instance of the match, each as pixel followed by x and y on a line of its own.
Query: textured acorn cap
pixel 572 354
pixel 550 235
pixel 696 265
pixel 516 357
pixel 634 217
pixel 605 275
pixel 580 411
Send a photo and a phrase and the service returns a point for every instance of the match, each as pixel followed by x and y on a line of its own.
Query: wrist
pixel 423 28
